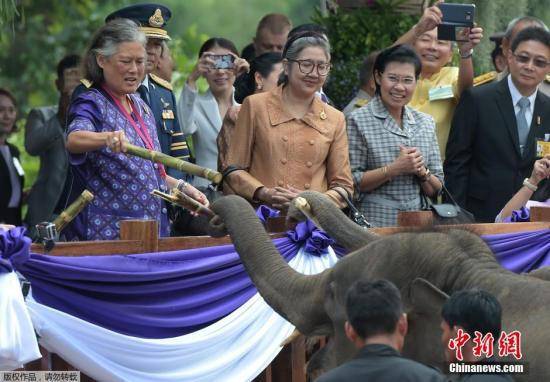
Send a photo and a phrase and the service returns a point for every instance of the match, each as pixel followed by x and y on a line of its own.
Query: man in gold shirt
pixel 439 86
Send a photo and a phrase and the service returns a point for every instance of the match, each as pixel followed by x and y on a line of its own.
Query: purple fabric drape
pixel 14 248
pixel 521 251
pixel 153 295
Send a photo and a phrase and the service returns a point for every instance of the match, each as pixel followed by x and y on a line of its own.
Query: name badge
pixel 543 148
pixel 167 114
pixel 18 167
pixel 441 92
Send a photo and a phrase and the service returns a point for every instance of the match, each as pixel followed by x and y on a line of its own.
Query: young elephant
pixel 425 267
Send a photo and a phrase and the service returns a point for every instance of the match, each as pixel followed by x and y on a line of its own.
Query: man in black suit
pixel 497 129
pixel 377 326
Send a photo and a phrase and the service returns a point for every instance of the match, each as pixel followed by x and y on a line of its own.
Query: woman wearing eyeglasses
pixel 287 140
pixel 394 153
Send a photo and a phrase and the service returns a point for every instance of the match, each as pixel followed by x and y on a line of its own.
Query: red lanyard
pixel 139 127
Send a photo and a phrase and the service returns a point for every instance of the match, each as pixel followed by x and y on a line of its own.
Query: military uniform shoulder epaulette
pixel 484 78
pixel 361 102
pixel 86 82
pixel 161 82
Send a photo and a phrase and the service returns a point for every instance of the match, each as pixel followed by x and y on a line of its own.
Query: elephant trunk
pixel 335 223
pixel 297 297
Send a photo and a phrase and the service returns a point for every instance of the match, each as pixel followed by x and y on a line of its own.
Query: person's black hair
pixel 8 94
pixel 373 307
pixel 531 34
pixel 218 41
pixel 365 72
pixel 316 28
pixel 474 310
pixel 67 62
pixel 263 64
pixel 495 53
pixel 402 54
pixel 534 21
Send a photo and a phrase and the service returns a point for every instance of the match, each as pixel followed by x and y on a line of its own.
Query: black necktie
pixel 144 94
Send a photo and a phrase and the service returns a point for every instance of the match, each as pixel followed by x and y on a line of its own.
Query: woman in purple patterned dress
pixel 101 121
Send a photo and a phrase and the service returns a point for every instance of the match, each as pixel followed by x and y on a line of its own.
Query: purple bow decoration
pixel 521 216
pixel 316 241
pixel 14 248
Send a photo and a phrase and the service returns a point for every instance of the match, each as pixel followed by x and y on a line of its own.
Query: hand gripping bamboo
pixel 179 198
pixel 172 162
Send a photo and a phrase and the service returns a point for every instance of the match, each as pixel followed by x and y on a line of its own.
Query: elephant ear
pixel 423 303
pixel 540 273
pixel 426 297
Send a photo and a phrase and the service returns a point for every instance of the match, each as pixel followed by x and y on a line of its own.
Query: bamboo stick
pixel 74 209
pixel 181 199
pixel 172 162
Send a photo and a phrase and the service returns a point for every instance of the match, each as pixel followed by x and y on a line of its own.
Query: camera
pixel 456 17
pixel 47 234
pixel 223 61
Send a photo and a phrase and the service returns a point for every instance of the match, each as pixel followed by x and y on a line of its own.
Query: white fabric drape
pixel 18 343
pixel 235 348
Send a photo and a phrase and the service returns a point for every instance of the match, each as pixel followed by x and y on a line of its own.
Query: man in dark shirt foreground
pixel 471 311
pixel 377 326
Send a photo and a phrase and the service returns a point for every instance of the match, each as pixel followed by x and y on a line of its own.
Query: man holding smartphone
pixel 439 86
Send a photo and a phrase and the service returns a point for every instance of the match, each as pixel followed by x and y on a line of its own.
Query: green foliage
pixel 353 36
pixel 184 49
pixel 8 11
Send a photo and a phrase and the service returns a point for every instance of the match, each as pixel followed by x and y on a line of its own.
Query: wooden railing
pixel 138 236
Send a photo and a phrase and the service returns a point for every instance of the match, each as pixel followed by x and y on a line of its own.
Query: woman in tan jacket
pixel 287 140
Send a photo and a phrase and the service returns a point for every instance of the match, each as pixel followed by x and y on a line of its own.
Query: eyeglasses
pixel 307 66
pixel 525 59
pixel 407 81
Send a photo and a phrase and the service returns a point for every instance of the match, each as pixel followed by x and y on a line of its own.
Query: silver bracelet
pixel 529 185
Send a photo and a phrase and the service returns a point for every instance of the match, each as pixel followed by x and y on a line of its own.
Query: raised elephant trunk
pixel 297 297
pixel 334 222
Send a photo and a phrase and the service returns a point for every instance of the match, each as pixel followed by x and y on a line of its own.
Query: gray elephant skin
pixel 425 266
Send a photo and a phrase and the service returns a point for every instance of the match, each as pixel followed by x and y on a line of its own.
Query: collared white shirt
pixel 146 82
pixel 516 96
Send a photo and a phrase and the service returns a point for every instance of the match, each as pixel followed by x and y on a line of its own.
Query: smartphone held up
pixel 456 18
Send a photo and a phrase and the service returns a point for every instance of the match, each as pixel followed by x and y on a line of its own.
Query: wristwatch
pixel 467 55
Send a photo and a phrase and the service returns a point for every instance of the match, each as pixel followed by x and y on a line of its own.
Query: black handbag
pixel 352 212
pixel 446 213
